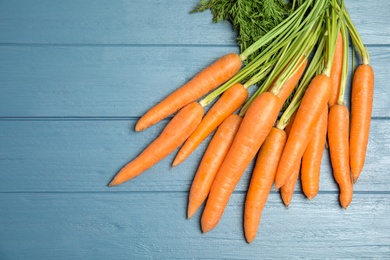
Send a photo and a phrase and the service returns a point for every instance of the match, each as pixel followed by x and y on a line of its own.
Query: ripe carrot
pixel 361 110
pixel 336 70
pixel 173 135
pixel 254 128
pixel 310 109
pixel 206 80
pixel 262 179
pixel 229 102
pixel 338 131
pixel 287 190
pixel 312 157
pixel 213 157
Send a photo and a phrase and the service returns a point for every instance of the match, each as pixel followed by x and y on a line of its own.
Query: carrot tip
pixel 175 163
pixel 249 239
pixel 206 229
pixel 190 213
pixel 310 197
pixel 112 184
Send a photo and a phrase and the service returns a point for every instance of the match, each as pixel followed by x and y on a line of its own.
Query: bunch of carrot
pixel 297 108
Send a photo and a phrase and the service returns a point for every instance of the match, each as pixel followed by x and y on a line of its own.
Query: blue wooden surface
pixel 75 77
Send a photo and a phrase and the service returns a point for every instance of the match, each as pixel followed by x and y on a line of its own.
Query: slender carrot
pixel 255 126
pixel 361 110
pixel 310 109
pixel 229 102
pixel 312 157
pixel 287 190
pixel 206 80
pixel 173 135
pixel 262 179
pixel 339 151
pixel 335 73
pixel 213 157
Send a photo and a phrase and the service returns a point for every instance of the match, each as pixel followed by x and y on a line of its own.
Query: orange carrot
pixel 361 110
pixel 312 157
pixel 309 111
pixel 287 190
pixel 206 80
pixel 211 161
pixel 338 131
pixel 173 135
pixel 335 73
pixel 255 126
pixel 229 102
pixel 262 179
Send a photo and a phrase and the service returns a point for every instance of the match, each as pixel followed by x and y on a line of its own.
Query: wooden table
pixel 75 77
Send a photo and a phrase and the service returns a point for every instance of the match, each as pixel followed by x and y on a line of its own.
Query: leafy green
pixel 250 18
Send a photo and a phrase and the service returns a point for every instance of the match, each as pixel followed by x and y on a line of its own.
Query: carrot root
pixel 211 161
pixel 361 110
pixel 339 151
pixel 262 179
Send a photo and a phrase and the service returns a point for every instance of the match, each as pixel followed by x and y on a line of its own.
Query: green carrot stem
pixel 344 73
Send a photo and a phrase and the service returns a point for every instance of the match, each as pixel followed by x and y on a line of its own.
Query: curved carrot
pixel 229 102
pixel 336 70
pixel 310 109
pixel 312 157
pixel 213 157
pixel 361 110
pixel 173 135
pixel 206 80
pixel 287 190
pixel 262 179
pixel 338 124
pixel 254 128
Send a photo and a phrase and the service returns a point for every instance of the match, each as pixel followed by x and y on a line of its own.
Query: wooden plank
pixel 83 155
pixel 144 22
pixel 116 81
pixel 153 225
pixel 109 22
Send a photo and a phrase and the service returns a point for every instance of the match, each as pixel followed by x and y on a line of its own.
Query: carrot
pixel 211 161
pixel 312 157
pixel 287 190
pixel 229 102
pixel 173 135
pixel 335 73
pixel 309 111
pixel 206 80
pixel 255 126
pixel 338 131
pixel 262 179
pixel 361 110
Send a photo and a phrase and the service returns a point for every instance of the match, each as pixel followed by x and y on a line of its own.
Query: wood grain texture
pixel 75 77
pixel 83 155
pixel 141 21
pixel 144 226
pixel 117 81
